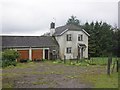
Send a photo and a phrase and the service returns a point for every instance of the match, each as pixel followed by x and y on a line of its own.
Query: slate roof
pixel 28 41
pixel 62 29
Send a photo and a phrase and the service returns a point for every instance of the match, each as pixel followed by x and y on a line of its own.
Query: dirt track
pixel 48 75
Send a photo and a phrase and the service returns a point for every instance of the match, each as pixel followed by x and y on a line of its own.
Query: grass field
pixel 56 74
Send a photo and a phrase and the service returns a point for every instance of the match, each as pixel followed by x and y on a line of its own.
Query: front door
pixel 46 54
pixel 80 52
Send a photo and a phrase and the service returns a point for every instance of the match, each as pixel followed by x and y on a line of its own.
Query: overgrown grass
pixel 99 80
pixel 7 85
pixel 72 62
pixel 86 62
pixel 102 80
pixel 40 83
pixel 22 65
pixel 100 60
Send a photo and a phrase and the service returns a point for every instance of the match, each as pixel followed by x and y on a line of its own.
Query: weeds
pixel 40 83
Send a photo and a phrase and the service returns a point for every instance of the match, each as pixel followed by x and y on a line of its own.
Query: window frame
pixel 69 50
pixel 80 37
pixel 69 37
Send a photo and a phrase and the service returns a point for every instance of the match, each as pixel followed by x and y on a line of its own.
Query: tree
pixel 101 38
pixel 91 40
pixel 118 42
pixel 73 20
pixel 102 41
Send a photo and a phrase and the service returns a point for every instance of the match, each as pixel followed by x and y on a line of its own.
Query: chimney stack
pixel 52 25
pixel 52 28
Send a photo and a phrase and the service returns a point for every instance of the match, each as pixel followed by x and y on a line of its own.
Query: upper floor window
pixel 80 37
pixel 69 38
pixel 68 49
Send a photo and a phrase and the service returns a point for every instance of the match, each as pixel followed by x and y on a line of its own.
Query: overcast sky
pixel 33 17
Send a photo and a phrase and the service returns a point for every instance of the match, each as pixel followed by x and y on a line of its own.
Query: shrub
pixel 9 57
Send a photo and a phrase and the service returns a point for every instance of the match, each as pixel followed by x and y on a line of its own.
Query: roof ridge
pixel 61 29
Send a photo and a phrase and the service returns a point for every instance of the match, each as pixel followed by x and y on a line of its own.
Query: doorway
pixel 80 52
pixel 46 53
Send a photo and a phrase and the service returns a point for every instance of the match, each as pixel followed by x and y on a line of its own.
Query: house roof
pixel 62 29
pixel 28 41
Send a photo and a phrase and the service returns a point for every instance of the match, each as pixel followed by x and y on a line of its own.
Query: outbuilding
pixel 32 47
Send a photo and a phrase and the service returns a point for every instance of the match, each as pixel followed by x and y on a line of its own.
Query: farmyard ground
pixel 57 75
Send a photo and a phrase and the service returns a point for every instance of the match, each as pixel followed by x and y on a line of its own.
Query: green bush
pixel 9 57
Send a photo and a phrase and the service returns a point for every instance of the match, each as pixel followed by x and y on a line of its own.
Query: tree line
pixel 103 40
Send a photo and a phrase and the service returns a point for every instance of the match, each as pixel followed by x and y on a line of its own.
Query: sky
pixel 33 17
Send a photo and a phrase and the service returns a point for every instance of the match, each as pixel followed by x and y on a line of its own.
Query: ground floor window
pixel 68 49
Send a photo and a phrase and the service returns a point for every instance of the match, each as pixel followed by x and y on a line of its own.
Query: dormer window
pixel 68 37
pixel 80 37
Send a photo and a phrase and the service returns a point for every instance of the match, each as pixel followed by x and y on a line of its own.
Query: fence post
pixel 117 66
pixel 109 63
pixel 113 66
pixel 77 59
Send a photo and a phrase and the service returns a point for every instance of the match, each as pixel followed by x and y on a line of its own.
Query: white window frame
pixel 80 37
pixel 69 37
pixel 69 50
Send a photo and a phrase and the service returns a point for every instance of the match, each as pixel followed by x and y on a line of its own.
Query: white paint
pixel 63 44
pixel 43 53
pixel 22 48
pixel 30 54
pixel 52 31
pixel 85 32
pixel 64 31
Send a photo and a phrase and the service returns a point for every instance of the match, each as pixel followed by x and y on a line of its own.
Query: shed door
pixel 46 54
pixel 24 54
pixel 37 54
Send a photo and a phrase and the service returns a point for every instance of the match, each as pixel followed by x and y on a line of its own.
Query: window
pixel 69 49
pixel 69 38
pixel 80 37
pixel 54 52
